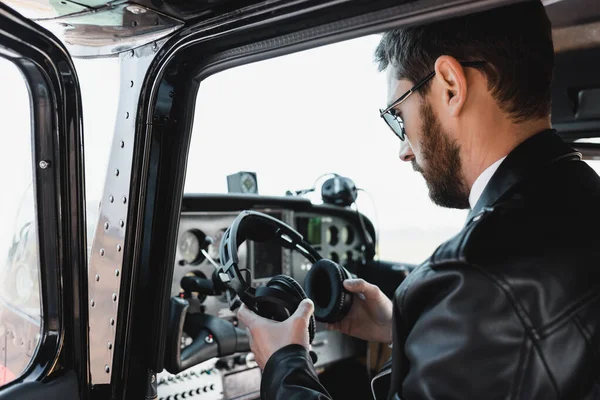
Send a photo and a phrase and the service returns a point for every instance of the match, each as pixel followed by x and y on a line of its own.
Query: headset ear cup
pixel 290 286
pixel 324 286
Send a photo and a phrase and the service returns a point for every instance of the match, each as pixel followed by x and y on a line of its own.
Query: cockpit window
pixel 20 300
pixel 294 118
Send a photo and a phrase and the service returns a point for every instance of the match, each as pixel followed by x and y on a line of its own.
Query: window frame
pixel 59 199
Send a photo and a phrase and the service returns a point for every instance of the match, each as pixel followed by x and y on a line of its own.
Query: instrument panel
pixel 335 232
pixel 200 236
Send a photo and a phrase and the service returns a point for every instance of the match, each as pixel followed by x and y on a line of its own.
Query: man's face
pixel 431 150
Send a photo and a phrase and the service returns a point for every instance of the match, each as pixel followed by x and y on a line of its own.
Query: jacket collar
pixel 538 151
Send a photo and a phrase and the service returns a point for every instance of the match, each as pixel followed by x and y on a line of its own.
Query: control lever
pixel 211 337
pixel 206 286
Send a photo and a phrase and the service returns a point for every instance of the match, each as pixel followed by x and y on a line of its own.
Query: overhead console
pixel 337 233
pixel 576 99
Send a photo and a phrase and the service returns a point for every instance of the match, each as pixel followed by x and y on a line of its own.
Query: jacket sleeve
pixel 290 375
pixel 462 335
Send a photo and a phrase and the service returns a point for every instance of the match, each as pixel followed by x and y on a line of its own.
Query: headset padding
pixel 288 284
pixel 328 275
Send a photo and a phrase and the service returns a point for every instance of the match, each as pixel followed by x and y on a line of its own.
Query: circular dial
pixel 214 247
pixel 189 246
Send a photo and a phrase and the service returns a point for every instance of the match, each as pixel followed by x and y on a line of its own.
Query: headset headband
pixel 256 226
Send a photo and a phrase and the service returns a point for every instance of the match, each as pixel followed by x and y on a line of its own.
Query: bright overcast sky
pixel 288 119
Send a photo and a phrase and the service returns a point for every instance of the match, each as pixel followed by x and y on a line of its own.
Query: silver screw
pixel 124 199
pixel 102 252
pixel 155 47
pixel 44 164
pixel 97 277
pixel 119 248
pixel 93 303
pixel 111 198
pixel 107 369
pixel 106 225
pixel 109 345
pixel 112 321
pixel 121 223
pixel 136 9
pixel 114 297
pixel 122 144
pixel 117 172
pixel 116 272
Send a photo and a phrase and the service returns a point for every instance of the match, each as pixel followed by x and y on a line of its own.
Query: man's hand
pixel 267 336
pixel 370 317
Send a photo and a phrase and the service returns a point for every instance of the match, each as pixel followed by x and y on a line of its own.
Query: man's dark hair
pixel 515 41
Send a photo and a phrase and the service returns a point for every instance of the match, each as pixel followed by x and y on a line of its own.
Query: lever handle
pixel 197 284
pixel 212 337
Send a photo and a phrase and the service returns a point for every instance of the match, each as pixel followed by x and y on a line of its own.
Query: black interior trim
pixel 575 81
pixel 64 387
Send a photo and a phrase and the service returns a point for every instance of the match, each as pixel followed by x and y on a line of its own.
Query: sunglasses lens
pixel 396 124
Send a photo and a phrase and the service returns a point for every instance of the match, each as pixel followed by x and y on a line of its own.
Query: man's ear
pixel 451 76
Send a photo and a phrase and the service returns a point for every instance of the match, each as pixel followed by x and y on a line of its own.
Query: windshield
pixel 294 118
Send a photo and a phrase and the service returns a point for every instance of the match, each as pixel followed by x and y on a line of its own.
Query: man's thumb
pixel 305 309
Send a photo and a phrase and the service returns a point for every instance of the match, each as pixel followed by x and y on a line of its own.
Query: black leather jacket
pixel 507 309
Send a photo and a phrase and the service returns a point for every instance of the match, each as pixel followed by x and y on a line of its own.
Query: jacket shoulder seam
pixel 524 356
pixel 569 312
pixel 517 306
pixel 506 289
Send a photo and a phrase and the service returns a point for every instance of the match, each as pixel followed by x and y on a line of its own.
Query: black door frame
pixel 60 201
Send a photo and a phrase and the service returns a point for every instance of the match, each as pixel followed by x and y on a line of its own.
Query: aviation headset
pixel 280 297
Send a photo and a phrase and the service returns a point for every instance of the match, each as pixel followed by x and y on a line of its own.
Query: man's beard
pixel 443 167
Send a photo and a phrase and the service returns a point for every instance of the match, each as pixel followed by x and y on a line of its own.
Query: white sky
pixel 289 119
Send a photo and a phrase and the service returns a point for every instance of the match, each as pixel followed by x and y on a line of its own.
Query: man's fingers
pixel 304 310
pixel 360 286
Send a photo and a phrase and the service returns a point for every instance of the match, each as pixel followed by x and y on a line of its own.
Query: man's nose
pixel 406 153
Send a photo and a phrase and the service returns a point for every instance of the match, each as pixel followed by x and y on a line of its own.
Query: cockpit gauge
pixel 332 235
pixel 213 247
pixel 190 244
pixel 347 235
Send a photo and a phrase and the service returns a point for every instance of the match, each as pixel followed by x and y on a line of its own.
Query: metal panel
pixel 111 30
pixel 106 260
pixel 45 9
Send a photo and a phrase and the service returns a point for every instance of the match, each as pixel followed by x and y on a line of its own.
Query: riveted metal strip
pixel 106 259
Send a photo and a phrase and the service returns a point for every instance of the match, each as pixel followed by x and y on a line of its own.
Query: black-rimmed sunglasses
pixel 394 121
